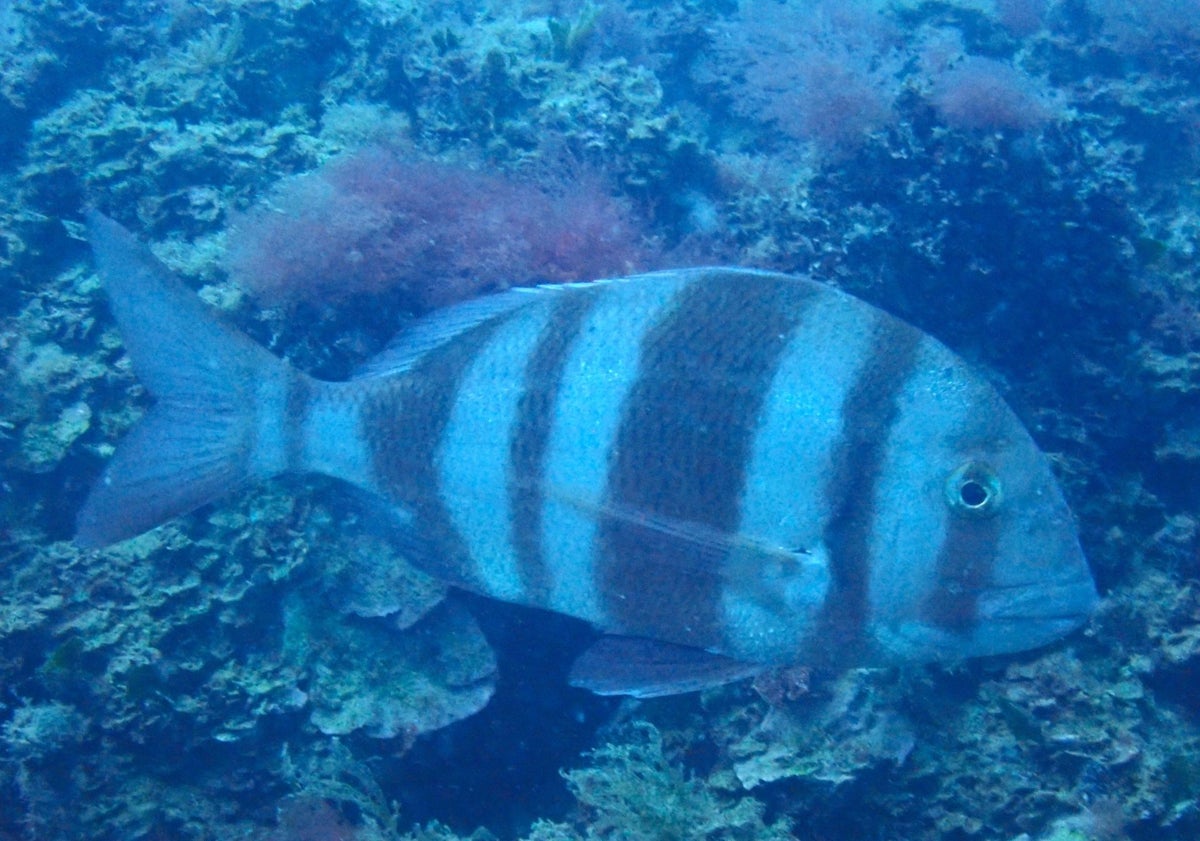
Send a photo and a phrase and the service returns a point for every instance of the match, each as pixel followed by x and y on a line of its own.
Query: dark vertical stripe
pixel 403 426
pixel 964 565
pixel 531 435
pixel 677 470
pixel 868 413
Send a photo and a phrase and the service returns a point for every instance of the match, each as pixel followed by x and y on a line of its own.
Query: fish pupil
pixel 973 494
pixel 974 489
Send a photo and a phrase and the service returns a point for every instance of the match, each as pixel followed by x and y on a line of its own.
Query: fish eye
pixel 974 489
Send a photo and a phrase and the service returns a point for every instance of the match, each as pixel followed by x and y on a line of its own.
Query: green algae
pixel 570 37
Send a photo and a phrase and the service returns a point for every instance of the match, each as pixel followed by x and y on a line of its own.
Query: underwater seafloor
pixel 1020 178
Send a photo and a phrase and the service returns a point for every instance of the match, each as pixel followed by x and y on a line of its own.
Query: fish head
pixel 983 555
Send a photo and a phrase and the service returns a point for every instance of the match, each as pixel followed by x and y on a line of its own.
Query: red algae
pixel 983 94
pixel 374 221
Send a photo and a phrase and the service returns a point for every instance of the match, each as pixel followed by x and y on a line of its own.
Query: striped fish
pixel 724 470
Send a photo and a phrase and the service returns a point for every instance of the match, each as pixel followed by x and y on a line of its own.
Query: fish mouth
pixel 1010 619
pixel 1066 604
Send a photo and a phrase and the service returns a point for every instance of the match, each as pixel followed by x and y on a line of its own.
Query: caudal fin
pixel 218 415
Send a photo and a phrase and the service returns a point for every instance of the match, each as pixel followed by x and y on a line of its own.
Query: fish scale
pixel 722 469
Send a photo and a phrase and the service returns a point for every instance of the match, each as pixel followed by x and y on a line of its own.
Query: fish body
pixel 721 469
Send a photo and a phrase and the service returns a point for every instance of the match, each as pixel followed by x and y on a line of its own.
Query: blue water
pixel 1018 178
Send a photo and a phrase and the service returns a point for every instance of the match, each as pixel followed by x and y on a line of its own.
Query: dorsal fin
pixel 441 326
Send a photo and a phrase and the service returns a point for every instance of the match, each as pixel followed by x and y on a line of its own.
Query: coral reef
pixel 631 790
pixel 199 651
pixel 1018 178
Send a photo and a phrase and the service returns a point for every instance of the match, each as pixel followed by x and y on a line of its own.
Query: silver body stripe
pixel 473 456
pixel 910 517
pixel 332 439
pixel 768 611
pixel 599 373
pixel 270 453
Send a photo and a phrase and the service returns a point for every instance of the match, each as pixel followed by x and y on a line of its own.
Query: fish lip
pixel 1078 598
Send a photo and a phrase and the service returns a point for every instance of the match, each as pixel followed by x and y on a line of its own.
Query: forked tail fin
pixel 219 414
